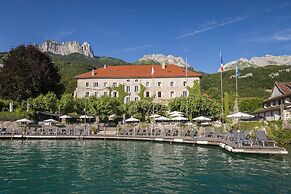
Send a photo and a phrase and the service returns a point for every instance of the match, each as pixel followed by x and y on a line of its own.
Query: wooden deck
pixel 227 145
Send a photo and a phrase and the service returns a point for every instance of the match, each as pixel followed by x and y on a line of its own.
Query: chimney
pixel 93 72
pixel 163 66
pixel 105 66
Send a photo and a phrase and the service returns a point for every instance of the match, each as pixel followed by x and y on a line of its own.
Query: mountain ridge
pixel 66 48
pixel 259 62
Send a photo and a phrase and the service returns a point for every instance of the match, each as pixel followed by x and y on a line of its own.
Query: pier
pixel 225 144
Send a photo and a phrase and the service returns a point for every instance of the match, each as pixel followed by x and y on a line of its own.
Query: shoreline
pixel 227 145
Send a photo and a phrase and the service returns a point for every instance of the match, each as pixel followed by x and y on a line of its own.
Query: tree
pixel 104 106
pixel 197 105
pixel 214 93
pixel 66 104
pixel 27 72
pixel 140 109
pixel 50 102
pixel 249 105
pixel 195 89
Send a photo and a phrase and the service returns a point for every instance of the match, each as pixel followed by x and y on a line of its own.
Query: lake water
pixel 77 166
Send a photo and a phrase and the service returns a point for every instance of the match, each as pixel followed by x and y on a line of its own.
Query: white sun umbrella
pixel 240 115
pixel 65 117
pixel 132 119
pixel 86 117
pixel 162 118
pixel 50 121
pixel 155 116
pixel 24 120
pixel 179 118
pixel 176 115
pixel 201 118
pixel 175 112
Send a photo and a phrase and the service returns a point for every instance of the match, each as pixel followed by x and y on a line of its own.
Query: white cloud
pixel 210 25
pixel 282 35
pixel 286 4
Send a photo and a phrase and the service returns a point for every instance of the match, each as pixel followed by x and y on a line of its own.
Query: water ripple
pixel 49 166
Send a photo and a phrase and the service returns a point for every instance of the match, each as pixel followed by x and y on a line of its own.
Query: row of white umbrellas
pixel 156 117
pixel 24 120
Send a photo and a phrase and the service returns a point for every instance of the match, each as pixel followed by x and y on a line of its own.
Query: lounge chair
pixel 245 140
pixel 3 131
pixel 168 132
pixel 261 137
pixel 156 132
pixel 175 132
pixel 193 133
pixel 186 133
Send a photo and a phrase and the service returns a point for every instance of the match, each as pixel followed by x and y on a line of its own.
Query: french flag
pixel 221 63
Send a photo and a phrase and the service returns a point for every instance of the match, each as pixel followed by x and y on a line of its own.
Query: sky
pixel 128 29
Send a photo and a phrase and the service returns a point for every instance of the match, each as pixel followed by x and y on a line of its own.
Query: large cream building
pixel 159 81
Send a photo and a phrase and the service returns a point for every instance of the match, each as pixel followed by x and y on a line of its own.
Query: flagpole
pixel 236 109
pixel 221 86
pixel 153 82
pixel 186 86
pixel 221 89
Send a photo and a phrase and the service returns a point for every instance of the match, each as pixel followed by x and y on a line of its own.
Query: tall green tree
pixel 142 109
pixel 249 105
pixel 195 89
pixel 66 104
pixel 197 105
pixel 104 106
pixel 27 72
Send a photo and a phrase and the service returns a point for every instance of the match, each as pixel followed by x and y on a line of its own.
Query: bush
pixel 11 116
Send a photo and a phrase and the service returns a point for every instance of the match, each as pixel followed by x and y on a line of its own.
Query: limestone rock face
pixel 66 48
pixel 163 59
pixel 259 61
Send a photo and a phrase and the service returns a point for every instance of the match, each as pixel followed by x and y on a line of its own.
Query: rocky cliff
pixel 66 48
pixel 162 59
pixel 259 61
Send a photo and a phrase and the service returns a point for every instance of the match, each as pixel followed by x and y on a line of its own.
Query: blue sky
pixel 128 29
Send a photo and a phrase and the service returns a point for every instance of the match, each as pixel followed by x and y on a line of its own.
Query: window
pixel 135 88
pixel 127 99
pixel 114 94
pixel 114 84
pixel 159 94
pixel 147 84
pixel 136 99
pixel 87 94
pixel 147 94
pixel 184 93
pixel 136 80
pixel 184 83
pixel 105 93
pixel 172 94
pixel 87 84
pixel 171 84
pixel 159 84
pixel 95 84
pixel 105 84
pixel 127 89
pixel 96 94
pixel 128 80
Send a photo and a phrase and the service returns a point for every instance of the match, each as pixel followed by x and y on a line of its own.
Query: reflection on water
pixel 118 166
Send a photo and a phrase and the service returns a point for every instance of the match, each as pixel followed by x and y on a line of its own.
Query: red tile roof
pixel 284 87
pixel 138 71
